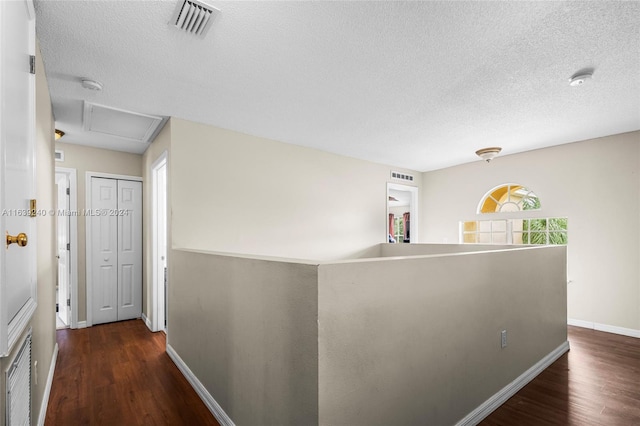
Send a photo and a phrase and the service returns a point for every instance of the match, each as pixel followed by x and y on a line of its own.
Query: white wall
pixel 233 192
pixel 595 184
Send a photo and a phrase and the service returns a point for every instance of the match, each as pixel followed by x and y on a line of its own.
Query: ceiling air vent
pixel 194 17
pixel 402 176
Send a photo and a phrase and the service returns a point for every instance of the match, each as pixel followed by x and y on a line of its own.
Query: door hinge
pixel 32 64
pixel 68 246
pixel 68 191
pixel 68 302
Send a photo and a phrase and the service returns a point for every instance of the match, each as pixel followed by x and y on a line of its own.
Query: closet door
pixel 104 249
pixel 129 249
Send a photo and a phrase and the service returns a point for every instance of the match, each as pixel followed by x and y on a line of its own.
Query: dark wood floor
pixel 120 374
pixel 596 383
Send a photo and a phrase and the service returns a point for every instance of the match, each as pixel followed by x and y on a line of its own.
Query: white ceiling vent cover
pixel 194 17
pixel 120 123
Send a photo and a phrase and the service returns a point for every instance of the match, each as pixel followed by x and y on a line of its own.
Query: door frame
pixel 88 255
pixel 157 283
pixel 413 210
pixel 73 240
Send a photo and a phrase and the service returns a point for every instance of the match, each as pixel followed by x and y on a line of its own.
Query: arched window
pixel 509 198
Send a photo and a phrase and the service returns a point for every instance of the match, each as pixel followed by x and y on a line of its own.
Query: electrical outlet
pixel 503 339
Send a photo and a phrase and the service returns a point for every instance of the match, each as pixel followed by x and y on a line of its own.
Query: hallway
pixel 119 373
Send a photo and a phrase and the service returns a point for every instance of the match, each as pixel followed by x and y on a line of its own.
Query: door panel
pixel 104 250
pixel 17 169
pixel 129 213
pixel 17 119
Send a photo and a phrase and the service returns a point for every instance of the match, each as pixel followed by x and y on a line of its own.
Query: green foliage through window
pixel 545 231
pixel 516 231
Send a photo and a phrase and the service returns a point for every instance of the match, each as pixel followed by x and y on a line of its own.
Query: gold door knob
pixel 20 239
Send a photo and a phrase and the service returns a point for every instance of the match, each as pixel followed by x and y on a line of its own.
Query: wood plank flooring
pixel 120 374
pixel 596 383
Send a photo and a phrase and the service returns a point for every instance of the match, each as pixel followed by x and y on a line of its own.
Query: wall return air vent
pixel 402 176
pixel 194 17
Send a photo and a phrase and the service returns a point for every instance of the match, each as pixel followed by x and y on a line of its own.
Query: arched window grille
pixel 509 198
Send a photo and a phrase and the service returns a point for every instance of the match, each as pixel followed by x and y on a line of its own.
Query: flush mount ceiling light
pixel 488 154
pixel 59 134
pixel 579 78
pixel 91 84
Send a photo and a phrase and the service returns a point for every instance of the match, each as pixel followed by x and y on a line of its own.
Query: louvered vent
pixel 194 17
pixel 18 390
pixel 402 176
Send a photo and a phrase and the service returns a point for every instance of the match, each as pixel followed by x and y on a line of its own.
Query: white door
pixel 64 266
pixel 160 244
pixel 116 249
pixel 17 169
pixel 104 249
pixel 129 214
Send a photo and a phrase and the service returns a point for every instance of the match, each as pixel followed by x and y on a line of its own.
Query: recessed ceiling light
pixel 91 84
pixel 579 79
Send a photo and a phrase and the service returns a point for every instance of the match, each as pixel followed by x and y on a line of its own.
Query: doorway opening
pixel 159 243
pixel 402 213
pixel 67 248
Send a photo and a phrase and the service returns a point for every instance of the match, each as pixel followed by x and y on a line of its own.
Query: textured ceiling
pixel 420 85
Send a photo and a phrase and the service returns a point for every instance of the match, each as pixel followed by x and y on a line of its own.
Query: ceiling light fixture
pixel 91 84
pixel 488 154
pixel 579 78
pixel 59 134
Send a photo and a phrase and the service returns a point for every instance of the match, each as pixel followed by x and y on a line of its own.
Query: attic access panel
pixel 120 123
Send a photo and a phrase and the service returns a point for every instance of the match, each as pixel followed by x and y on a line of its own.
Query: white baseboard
pixel 490 405
pixel 147 322
pixel 82 324
pixel 202 392
pixel 604 327
pixel 47 388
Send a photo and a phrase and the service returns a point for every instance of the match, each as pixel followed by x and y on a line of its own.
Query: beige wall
pixel 238 193
pixel 402 341
pixel 390 250
pixel 416 340
pixel 43 322
pixel 595 184
pixel 161 144
pixel 84 159
pixel 247 329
